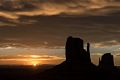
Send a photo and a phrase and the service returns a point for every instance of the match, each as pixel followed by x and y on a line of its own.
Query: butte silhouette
pixel 78 65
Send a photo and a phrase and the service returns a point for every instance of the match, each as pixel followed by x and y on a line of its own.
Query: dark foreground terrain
pixel 23 72
pixel 77 66
pixel 20 72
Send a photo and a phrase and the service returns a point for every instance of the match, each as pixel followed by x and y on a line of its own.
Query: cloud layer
pixel 13 9
pixel 48 30
pixel 42 23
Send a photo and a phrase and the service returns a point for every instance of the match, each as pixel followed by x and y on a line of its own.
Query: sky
pixel 35 31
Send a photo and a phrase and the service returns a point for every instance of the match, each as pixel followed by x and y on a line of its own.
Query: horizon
pixel 34 60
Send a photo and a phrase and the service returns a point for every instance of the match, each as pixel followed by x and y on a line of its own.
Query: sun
pixel 34 63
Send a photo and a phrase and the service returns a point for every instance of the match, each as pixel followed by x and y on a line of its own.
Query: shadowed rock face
pixel 107 69
pixel 73 48
pixel 75 51
pixel 106 61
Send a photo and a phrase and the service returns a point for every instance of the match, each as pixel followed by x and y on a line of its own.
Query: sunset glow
pixel 35 63
pixel 32 60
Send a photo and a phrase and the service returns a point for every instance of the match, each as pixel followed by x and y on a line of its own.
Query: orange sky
pixel 30 60
pixel 35 60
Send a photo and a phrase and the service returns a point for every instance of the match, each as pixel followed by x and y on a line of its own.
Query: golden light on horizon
pixel 31 60
pixel 34 56
pixel 35 63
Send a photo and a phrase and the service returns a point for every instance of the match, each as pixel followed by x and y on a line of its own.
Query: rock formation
pixel 75 51
pixel 106 61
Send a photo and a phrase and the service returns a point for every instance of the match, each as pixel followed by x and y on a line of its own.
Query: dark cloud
pixel 13 9
pixel 55 29
pixel 16 5
pixel 32 23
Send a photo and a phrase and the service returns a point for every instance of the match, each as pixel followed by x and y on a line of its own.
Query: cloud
pixel 27 57
pixel 17 8
pixel 8 15
pixel 54 30
pixel 107 44
pixel 7 24
pixel 93 20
